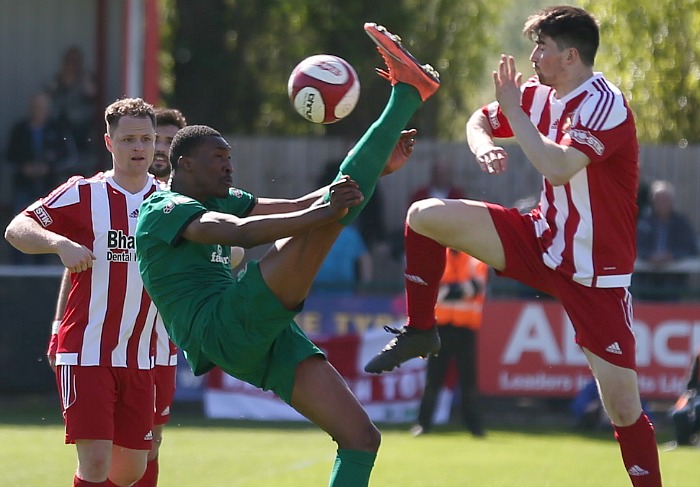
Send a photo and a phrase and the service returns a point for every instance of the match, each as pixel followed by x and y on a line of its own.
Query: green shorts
pixel 252 337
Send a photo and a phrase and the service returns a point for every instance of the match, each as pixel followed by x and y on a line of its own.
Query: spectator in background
pixel 74 94
pixel 348 264
pixel 441 184
pixel 41 151
pixel 459 314
pixel 685 414
pixel 664 236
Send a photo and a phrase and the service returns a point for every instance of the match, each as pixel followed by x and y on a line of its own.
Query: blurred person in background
pixel 73 92
pixel 348 267
pixel 441 183
pixel 458 314
pixel 41 150
pixel 664 236
pixel 685 413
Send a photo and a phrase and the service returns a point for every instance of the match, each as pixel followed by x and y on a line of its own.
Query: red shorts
pixel 107 403
pixel 164 376
pixel 602 317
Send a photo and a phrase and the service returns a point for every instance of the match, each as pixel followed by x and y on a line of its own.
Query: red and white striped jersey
pixel 587 227
pixel 165 350
pixel 109 318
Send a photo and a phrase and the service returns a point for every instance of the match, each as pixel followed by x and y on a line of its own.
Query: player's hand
pixel 51 351
pixel 402 151
pixel 51 360
pixel 75 257
pixel 344 193
pixel 507 80
pixel 492 159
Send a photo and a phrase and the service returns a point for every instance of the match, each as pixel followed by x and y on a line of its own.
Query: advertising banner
pixel 392 397
pixel 527 348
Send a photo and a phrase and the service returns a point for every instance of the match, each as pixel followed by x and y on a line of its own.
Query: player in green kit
pixel 245 325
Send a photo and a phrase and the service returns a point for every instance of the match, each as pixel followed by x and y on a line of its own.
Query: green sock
pixel 365 162
pixel 352 468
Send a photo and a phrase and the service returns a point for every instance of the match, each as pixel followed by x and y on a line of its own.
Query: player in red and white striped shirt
pixel 105 342
pixel 579 243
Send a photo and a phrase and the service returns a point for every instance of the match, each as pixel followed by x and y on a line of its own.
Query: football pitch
pixel 200 452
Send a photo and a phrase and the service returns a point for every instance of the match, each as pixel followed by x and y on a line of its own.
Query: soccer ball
pixel 323 88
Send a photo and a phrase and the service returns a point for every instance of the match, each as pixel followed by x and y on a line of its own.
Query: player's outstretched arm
pixel 28 236
pixel 220 228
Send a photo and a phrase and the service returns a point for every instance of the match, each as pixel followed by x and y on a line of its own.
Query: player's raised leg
pixel 412 84
pixel 432 225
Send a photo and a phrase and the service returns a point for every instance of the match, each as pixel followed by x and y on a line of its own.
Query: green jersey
pixel 182 276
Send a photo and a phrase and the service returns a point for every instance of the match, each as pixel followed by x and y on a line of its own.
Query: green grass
pixel 198 452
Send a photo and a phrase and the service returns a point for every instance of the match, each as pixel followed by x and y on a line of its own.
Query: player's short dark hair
pixel 568 27
pixel 186 140
pixel 170 116
pixel 128 107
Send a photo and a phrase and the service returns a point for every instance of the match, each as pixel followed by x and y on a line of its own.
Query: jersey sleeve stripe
pixel 603 108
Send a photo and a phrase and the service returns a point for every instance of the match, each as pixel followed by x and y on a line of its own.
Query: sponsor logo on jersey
pixel 175 200
pixel 218 256
pixel 43 216
pixel 586 138
pixel 120 246
pixel 236 192
pixel 134 214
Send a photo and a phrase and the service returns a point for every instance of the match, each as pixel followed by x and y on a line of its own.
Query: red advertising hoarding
pixel 527 348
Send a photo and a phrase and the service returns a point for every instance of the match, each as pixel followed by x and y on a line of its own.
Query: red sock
pixel 150 476
pixel 425 264
pixel 639 452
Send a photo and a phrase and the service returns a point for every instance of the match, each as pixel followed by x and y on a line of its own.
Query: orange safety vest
pixel 466 312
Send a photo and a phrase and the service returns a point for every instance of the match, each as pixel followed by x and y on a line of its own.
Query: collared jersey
pixel 586 227
pixel 109 317
pixel 181 276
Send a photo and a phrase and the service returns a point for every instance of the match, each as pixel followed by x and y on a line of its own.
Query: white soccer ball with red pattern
pixel 323 88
